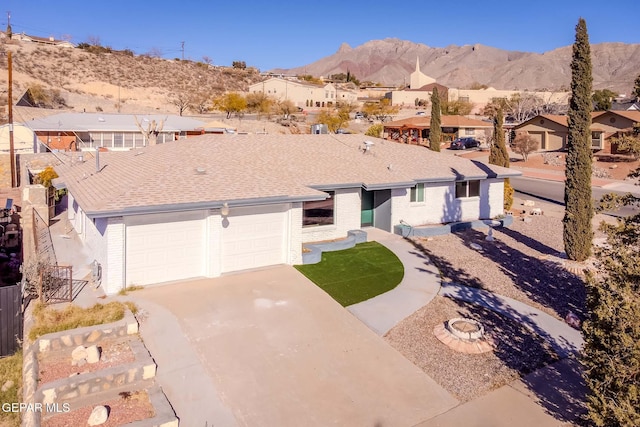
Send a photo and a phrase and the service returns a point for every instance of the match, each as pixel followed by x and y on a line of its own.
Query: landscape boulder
pixel 98 416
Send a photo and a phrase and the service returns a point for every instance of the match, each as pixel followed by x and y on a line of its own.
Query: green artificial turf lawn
pixel 357 274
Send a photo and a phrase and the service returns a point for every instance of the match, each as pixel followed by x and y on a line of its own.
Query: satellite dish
pixel 367 145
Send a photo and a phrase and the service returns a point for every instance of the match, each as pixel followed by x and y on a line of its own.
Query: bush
pixel 375 130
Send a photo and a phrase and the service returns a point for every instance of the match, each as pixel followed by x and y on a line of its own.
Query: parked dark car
pixel 464 143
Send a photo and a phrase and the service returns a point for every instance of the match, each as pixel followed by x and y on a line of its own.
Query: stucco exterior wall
pixel 298 93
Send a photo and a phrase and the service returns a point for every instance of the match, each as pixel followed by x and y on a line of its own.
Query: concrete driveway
pixel 270 348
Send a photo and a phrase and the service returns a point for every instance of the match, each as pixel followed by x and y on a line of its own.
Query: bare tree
pixel 154 52
pixel 524 144
pixel 150 129
pixel 200 103
pixel 207 60
pixel 94 40
pixel 181 100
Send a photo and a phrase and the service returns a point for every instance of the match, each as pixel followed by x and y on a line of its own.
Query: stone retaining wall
pixel 314 254
pixel 65 390
pixel 88 335
pixel 141 371
pixel 405 230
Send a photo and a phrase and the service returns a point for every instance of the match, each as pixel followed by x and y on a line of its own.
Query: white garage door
pixel 164 247
pixel 254 237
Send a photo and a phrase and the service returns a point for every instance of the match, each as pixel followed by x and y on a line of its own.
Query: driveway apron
pixel 275 350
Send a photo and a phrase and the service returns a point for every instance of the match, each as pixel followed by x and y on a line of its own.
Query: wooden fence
pixel 10 319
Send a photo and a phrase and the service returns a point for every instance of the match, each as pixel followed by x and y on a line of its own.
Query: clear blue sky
pixel 287 34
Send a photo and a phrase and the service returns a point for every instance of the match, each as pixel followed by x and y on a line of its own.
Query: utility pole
pixel 182 43
pixel 11 149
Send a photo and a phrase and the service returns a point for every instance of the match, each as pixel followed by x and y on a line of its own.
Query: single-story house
pixel 24 139
pixel 218 127
pixel 88 131
pixel 551 131
pixel 415 130
pixel 225 203
pixel 41 40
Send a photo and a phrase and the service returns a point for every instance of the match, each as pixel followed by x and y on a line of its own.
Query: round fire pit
pixel 465 329
pixel 464 335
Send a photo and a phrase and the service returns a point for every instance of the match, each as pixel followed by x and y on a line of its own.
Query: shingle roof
pixel 87 122
pixel 446 121
pixel 254 169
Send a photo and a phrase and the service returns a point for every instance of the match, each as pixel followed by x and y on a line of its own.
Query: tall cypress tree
pixel 435 125
pixel 611 354
pixel 499 155
pixel 578 232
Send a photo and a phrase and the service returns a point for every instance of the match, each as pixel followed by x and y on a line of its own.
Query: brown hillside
pixel 390 61
pixel 96 81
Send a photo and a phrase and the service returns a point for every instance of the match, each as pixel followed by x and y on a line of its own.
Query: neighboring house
pixel 551 131
pixel 303 94
pixel 225 203
pixel 84 131
pixel 218 127
pixel 41 40
pixel 24 139
pixel 481 97
pixel 415 130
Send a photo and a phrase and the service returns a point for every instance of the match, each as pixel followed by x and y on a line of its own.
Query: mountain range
pixel 391 61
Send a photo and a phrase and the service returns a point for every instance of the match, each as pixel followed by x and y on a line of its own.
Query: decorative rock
pixel 7 385
pixel 98 416
pixel 573 320
pixel 529 203
pixel 527 219
pixel 475 246
pixel 93 336
pixel 66 340
pixel 49 396
pixel 93 354
pixel 79 353
pixel 536 211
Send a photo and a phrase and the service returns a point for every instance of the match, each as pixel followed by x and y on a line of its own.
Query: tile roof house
pixel 222 203
pixel 81 131
pixel 551 131
pixel 415 130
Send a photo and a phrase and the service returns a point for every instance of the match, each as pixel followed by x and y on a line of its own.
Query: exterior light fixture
pixel 224 210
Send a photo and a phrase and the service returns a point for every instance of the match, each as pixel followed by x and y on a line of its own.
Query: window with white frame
pixel 467 189
pixel 417 193
pixel 469 132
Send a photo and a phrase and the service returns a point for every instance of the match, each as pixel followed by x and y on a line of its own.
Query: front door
pixel 366 213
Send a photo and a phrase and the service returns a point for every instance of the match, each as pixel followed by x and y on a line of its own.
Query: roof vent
pixel 101 119
pixel 201 171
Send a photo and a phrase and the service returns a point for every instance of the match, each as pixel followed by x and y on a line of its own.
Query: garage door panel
pixel 254 237
pixel 161 248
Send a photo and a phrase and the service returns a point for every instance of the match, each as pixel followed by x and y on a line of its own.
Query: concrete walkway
pixel 563 338
pixel 419 286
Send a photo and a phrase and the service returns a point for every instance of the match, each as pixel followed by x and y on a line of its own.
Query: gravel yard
pixel 524 262
pixel 468 376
